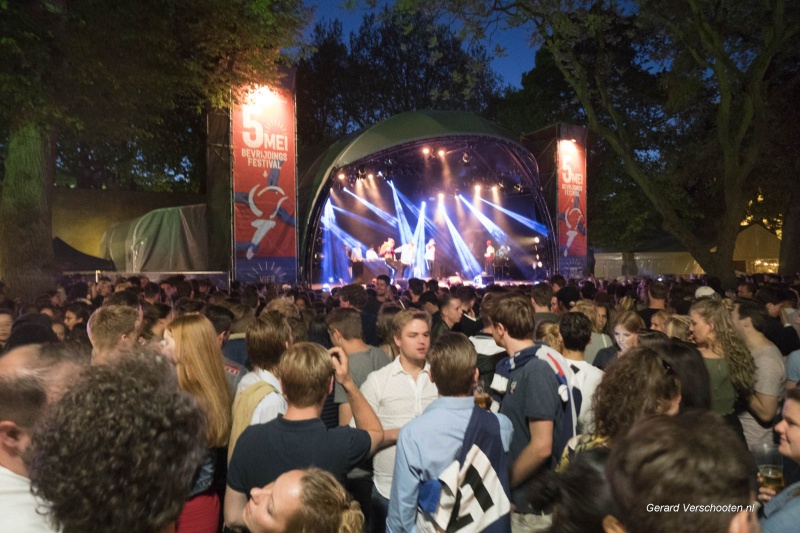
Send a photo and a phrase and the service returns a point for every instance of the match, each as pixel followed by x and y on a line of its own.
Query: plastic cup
pixel 770 465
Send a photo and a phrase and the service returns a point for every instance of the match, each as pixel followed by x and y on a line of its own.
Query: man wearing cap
pixel 705 292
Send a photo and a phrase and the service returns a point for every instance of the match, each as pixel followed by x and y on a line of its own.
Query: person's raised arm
pixel 763 406
pixel 345 414
pixel 363 414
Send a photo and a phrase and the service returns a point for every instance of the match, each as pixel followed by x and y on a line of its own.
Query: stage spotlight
pixel 441 197
pixel 536 240
pixel 477 188
pixel 494 188
pixel 441 152
pixel 341 175
pixel 574 140
pixel 466 158
pixel 426 150
pixel 370 175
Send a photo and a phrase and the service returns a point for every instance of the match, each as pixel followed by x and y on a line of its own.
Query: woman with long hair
pixel 626 327
pixel 731 368
pixel 641 383
pixel 192 342
pixel 599 339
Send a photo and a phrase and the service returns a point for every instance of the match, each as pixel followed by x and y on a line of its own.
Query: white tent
pixel 757 250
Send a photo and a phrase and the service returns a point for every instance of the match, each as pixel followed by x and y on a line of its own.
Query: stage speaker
pixel 487 280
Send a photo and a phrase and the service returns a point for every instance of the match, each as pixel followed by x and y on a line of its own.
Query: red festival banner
pixel 265 187
pixel 571 201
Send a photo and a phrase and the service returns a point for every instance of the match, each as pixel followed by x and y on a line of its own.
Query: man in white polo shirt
pixel 398 393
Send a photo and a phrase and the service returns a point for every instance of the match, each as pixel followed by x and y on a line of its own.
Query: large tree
pixel 394 62
pixel 702 74
pixel 621 217
pixel 112 74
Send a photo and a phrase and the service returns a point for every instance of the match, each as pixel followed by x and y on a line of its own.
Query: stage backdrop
pixel 571 201
pixel 265 186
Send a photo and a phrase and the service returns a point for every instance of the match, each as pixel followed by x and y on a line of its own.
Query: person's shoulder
pixel 378 357
pixel 377 376
pixel 771 351
pixel 344 435
pixel 588 368
pixel 256 433
pixel 505 422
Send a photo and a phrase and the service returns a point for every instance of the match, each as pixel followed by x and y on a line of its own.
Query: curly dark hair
pixel 119 451
pixel 638 384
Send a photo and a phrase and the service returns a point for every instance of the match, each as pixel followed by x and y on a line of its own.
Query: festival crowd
pixel 589 405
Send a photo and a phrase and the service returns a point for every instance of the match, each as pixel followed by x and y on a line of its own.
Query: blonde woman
pixel 658 322
pixel 547 332
pixel 730 365
pixel 192 343
pixel 677 327
pixel 304 501
pixel 599 339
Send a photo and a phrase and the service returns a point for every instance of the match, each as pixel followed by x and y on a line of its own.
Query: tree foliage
pixel 116 87
pixel 619 214
pixel 395 62
pixel 679 90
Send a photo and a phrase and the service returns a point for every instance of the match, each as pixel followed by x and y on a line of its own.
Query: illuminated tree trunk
pixel 26 250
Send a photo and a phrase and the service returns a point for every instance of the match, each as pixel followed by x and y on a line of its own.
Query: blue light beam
pixel 377 226
pixel 494 230
pixel 469 264
pixel 402 222
pixel 389 219
pixel 419 244
pixel 538 227
pixel 334 262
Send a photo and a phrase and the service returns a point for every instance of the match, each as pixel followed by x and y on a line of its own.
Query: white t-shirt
pixel 396 398
pixel 587 378
pixel 770 380
pixel 18 506
pixel 273 404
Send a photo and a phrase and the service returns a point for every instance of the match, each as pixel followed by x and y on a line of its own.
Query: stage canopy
pixel 444 175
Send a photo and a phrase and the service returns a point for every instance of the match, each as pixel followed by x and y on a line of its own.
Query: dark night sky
pixel 518 57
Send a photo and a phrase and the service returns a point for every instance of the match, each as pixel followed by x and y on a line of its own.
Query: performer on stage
pixel 372 255
pixel 407 253
pixel 349 253
pixel 387 252
pixel 387 249
pixel 489 259
pixel 357 261
pixel 430 258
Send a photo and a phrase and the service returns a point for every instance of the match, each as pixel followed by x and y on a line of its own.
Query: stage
pixel 438 194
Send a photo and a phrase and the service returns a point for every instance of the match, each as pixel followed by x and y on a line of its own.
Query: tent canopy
pixel 68 258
